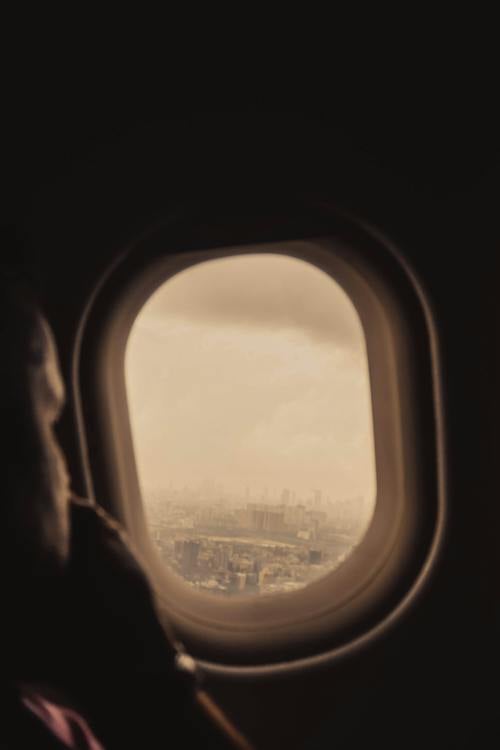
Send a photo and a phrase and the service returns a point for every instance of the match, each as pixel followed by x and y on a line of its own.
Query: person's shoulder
pixel 111 591
pixel 98 541
pixel 86 511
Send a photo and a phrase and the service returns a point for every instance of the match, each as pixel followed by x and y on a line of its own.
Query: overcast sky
pixel 251 371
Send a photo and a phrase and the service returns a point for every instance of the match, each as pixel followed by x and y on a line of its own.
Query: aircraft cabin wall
pixel 425 682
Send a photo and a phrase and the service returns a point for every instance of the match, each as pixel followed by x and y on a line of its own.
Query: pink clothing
pixel 64 723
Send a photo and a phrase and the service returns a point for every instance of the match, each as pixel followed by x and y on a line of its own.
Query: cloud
pixel 266 291
pixel 247 406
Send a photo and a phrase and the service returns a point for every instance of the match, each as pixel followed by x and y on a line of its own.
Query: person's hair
pixel 21 349
pixel 20 343
pixel 19 302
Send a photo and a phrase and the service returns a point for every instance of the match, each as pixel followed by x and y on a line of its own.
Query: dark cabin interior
pixel 81 181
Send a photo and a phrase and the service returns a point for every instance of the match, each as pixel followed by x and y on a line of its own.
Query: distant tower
pixel 315 556
pixel 190 556
pixel 317 498
pixel 285 496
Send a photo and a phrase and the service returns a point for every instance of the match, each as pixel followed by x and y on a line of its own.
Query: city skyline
pixel 208 490
pixel 248 547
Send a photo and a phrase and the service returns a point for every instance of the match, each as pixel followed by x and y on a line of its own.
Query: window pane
pixel 250 408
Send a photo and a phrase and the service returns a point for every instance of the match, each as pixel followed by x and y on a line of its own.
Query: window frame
pixel 383 575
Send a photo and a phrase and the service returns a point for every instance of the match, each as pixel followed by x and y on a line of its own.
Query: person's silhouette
pixel 83 638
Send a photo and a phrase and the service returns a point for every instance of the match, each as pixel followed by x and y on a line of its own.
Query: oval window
pixel 249 397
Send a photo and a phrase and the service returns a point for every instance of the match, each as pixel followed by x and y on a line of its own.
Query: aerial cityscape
pixel 252 370
pixel 235 544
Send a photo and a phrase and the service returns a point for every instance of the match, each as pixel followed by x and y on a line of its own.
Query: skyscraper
pixel 190 556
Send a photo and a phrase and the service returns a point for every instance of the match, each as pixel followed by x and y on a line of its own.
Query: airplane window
pixel 249 399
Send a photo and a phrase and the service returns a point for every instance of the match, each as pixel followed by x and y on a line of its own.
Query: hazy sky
pixel 251 371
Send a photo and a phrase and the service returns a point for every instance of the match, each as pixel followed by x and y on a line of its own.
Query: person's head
pixel 34 525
